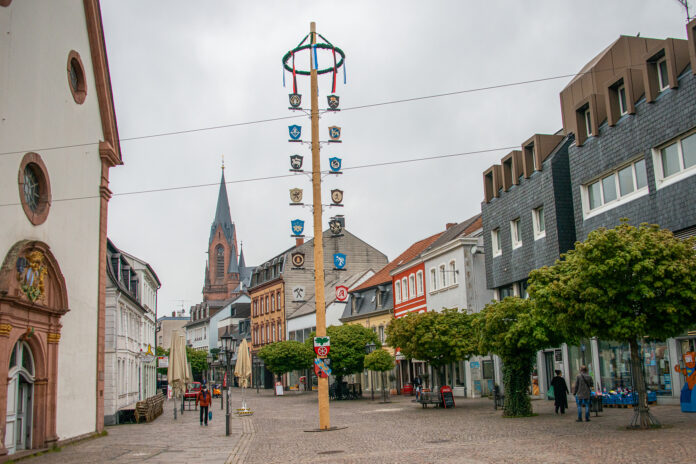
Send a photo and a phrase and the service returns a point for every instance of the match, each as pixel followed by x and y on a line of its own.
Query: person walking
pixel 582 390
pixel 417 386
pixel 203 399
pixel 560 392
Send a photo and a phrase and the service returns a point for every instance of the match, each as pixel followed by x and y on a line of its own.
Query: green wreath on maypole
pixel 289 61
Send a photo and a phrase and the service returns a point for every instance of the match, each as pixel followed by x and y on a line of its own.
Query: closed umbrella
pixel 177 372
pixel 242 370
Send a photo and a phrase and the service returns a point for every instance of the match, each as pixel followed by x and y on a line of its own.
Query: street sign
pixel 224 380
pixel 341 293
pixel 162 361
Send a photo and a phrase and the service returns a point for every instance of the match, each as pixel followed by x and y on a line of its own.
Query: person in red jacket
pixel 203 399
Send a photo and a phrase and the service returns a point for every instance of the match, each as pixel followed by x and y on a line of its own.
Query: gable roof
pixel 411 252
pixel 463 228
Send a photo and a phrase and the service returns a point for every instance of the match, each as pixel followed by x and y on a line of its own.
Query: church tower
pixel 222 271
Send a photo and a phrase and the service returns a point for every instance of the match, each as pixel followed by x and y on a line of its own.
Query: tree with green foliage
pixel 626 284
pixel 198 360
pixel 347 351
pixel 440 338
pixel 513 330
pixel 379 361
pixel 286 356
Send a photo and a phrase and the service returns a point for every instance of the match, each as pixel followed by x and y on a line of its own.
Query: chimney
pixel 450 224
pixel 299 241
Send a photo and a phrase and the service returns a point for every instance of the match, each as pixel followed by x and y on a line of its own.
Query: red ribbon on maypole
pixel 294 76
pixel 333 86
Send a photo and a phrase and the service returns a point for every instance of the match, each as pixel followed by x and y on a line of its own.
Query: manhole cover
pixel 331 452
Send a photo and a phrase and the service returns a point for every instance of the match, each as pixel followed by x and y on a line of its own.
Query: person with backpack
pixel 583 391
pixel 204 399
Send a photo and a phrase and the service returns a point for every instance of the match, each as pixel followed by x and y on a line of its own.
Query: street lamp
pixel 209 358
pixel 229 343
pixel 369 348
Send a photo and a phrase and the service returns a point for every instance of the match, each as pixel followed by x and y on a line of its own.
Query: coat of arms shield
pixel 295 100
pixel 296 195
pixel 296 162
pixel 295 132
pixel 339 260
pixel 335 226
pixel 334 132
pixel 297 259
pixel 337 196
pixel 297 226
pixel 335 164
pixel 333 101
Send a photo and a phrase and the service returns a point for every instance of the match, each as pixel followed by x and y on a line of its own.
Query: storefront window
pixel 658 375
pixel 615 365
pixel 580 356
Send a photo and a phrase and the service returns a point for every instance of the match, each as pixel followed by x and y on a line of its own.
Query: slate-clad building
pixel 627 150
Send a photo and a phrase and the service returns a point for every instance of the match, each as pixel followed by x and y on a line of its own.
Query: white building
pixel 58 139
pixel 131 308
pixel 455 277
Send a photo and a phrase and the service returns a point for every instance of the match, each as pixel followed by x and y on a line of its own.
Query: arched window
pixel 404 289
pixel 220 261
pixel 266 304
pixel 397 291
pixel 272 303
pixel 278 302
pixel 412 286
pixel 419 283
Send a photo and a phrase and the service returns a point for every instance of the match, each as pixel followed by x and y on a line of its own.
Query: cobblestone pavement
pixel 164 440
pixel 397 432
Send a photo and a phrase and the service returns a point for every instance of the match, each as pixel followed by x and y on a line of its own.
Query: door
pixel 549 367
pixel 20 392
pixel 24 414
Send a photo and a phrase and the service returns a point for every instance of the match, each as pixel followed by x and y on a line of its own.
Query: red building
pixel 408 288
pixel 408 281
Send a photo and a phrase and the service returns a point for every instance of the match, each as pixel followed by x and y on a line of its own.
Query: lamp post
pixel 222 361
pixel 369 348
pixel 209 358
pixel 228 346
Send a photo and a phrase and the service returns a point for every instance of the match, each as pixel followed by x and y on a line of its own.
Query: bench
pixel 427 398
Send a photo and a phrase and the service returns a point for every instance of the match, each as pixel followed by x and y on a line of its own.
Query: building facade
pixel 281 292
pixel 54 90
pixel 131 306
pixel 168 324
pixel 625 151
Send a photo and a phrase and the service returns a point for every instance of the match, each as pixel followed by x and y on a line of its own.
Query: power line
pixel 258 179
pixel 282 118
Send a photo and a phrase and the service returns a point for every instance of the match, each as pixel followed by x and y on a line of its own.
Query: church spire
pixel 222 213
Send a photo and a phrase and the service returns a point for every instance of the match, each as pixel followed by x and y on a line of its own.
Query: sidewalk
pixel 164 440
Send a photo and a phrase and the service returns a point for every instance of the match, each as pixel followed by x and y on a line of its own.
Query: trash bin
pixel 596 404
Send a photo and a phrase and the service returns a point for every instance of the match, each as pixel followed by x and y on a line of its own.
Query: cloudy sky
pixel 182 65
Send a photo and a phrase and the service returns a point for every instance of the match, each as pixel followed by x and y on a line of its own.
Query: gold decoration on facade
pixel 5 330
pixel 30 274
pixel 53 337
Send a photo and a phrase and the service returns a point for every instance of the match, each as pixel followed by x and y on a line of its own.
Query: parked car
pixel 192 390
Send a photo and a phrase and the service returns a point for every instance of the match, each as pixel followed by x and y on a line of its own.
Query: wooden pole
pixel 324 417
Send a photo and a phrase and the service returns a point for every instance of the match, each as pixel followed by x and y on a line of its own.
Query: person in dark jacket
pixel 560 392
pixel 204 399
pixel 582 390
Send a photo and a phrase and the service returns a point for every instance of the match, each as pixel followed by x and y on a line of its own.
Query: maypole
pixel 321 364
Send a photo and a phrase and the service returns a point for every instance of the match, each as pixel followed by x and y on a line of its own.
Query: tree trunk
pixel 517 379
pixel 642 417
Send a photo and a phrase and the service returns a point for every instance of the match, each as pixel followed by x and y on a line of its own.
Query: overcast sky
pixel 182 65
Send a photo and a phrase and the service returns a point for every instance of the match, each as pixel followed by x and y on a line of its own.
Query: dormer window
pixel 623 103
pixel 530 160
pixel 662 77
pixel 588 122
